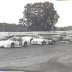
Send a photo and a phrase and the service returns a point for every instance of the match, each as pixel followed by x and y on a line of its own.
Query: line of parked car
pixel 66 38
pixel 26 40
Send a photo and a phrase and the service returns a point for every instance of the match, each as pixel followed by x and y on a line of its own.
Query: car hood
pixel 4 42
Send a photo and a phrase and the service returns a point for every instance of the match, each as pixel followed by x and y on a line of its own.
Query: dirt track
pixel 49 58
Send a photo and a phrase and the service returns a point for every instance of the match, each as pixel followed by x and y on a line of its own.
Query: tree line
pixel 6 27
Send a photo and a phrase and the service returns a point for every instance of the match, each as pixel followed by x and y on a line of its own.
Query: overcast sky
pixel 12 10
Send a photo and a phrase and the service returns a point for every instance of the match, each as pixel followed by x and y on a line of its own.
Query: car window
pixel 14 39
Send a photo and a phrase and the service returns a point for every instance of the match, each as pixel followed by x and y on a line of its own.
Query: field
pixel 48 58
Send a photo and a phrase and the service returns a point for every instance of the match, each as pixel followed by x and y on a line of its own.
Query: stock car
pixel 27 39
pixel 23 40
pixel 9 43
pixel 67 39
pixel 40 40
pixel 14 42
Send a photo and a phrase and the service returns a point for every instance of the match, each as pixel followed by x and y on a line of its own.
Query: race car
pixel 9 43
pixel 14 42
pixel 42 40
pixel 66 39
pixel 26 40
pixel 39 41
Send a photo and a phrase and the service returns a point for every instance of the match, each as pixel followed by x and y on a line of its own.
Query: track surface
pixel 48 58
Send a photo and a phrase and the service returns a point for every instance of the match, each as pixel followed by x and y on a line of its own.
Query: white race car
pixel 23 41
pixel 66 39
pixel 9 43
pixel 42 40
pixel 39 41
pixel 26 40
pixel 14 42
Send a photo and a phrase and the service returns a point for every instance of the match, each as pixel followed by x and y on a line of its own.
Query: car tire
pixel 12 45
pixel 53 42
pixel 25 44
pixel 43 43
pixel 70 42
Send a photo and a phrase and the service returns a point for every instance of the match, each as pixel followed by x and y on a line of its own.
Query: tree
pixel 21 21
pixel 40 16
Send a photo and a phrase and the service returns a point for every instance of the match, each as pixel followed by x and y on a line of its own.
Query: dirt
pixel 49 58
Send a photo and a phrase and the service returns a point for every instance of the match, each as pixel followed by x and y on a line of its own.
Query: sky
pixel 12 10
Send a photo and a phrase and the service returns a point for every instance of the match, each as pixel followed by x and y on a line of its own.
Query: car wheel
pixel 53 42
pixel 31 40
pixel 12 45
pixel 43 43
pixel 25 44
pixel 70 42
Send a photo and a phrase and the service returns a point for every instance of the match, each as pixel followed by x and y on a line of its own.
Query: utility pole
pixel 3 28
